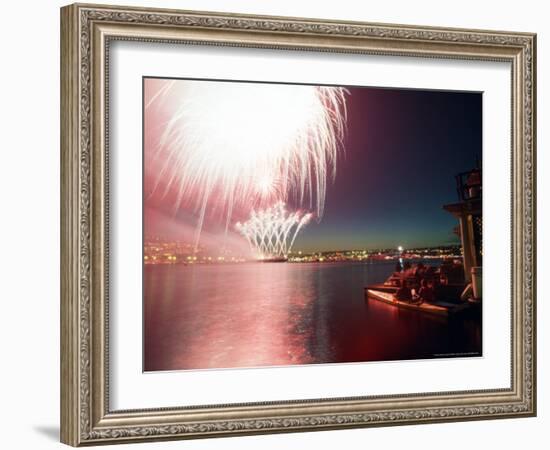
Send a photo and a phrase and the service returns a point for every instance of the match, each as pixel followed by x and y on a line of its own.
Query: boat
pixel 456 284
pixel 440 308
pixel 273 259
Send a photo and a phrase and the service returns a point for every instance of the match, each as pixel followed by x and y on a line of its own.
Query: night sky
pixel 403 149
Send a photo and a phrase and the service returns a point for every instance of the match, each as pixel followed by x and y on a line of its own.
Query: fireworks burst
pixel 230 145
pixel 271 232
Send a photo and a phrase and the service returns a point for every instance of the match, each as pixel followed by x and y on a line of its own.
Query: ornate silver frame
pixel 86 31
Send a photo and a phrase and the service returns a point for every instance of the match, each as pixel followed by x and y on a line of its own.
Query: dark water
pixel 258 314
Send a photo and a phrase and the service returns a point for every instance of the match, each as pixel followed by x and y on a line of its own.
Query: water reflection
pixel 259 314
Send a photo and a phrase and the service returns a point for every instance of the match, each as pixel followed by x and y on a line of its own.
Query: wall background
pixel 29 229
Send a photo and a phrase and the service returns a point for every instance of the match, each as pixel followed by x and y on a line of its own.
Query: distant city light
pixel 165 251
pixel 400 248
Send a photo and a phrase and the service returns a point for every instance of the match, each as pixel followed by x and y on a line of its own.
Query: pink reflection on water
pixel 214 324
pixel 272 314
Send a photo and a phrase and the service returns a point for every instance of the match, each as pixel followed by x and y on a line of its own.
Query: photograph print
pixel 295 224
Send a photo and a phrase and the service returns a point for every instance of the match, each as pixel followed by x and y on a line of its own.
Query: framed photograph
pixel 276 225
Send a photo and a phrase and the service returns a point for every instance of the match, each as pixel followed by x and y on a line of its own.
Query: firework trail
pixel 271 232
pixel 231 145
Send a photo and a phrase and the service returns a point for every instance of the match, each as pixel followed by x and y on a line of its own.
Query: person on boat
pixel 426 292
pixel 398 267
pixel 419 270
pixel 429 273
pixel 404 292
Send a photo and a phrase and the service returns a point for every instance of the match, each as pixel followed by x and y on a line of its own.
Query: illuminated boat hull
pixel 444 309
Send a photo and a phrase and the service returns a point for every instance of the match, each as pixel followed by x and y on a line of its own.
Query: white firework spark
pixel 271 232
pixel 230 145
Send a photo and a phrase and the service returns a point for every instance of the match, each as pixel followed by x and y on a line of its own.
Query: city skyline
pixel 159 251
